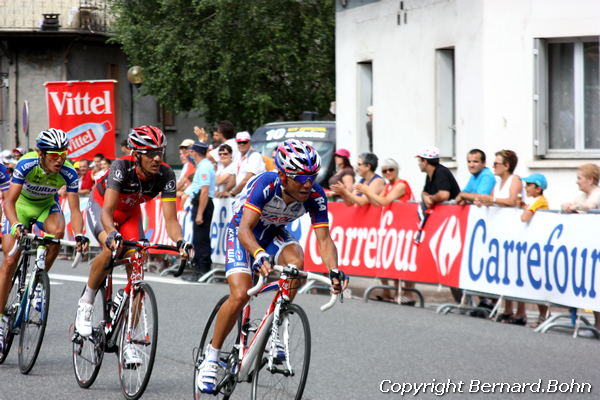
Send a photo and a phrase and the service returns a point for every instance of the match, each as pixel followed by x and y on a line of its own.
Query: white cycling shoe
pixel 83 322
pixel 132 355
pixel 207 376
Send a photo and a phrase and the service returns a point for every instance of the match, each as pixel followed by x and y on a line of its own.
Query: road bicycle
pixel 131 317
pixel 28 303
pixel 247 356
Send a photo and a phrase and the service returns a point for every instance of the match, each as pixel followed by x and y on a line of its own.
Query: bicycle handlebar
pixel 296 273
pixel 146 245
pixel 47 240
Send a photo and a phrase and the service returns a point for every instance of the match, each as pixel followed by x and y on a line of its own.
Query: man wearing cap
pixel 249 163
pixel 440 184
pixel 482 180
pixel 189 166
pixel 201 191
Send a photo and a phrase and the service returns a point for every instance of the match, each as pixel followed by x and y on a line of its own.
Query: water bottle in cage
pixel 116 303
pixel 40 257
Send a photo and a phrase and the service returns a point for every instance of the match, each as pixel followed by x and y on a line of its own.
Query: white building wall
pixel 494 71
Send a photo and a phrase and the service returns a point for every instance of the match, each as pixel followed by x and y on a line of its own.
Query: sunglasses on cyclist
pixel 152 153
pixel 302 178
pixel 55 155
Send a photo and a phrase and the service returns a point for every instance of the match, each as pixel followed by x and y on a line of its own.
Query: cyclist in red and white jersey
pixel 268 203
pixel 114 209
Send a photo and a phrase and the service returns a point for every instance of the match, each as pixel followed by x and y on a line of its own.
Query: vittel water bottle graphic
pixel 86 137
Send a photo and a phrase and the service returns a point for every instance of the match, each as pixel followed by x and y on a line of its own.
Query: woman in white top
pixel 225 172
pixel 588 176
pixel 508 193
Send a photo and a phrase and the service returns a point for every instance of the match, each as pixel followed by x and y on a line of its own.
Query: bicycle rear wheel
pixel 142 335
pixel 228 358
pixel 10 311
pixel 34 322
pixel 287 378
pixel 88 352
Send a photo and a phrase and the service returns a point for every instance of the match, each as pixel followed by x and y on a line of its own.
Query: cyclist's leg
pixel 9 265
pixel 287 251
pixel 54 224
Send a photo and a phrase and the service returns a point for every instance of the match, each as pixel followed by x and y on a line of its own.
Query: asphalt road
pixel 356 347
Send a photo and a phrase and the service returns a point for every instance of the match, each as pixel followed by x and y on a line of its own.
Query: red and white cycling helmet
pixel 146 137
pixel 296 157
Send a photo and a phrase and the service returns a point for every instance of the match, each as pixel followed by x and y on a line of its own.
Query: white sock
pixel 88 295
pixel 212 354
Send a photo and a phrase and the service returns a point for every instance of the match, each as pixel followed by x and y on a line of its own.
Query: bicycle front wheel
pixel 228 357
pixel 137 342
pixel 88 352
pixel 10 312
pixel 34 322
pixel 286 379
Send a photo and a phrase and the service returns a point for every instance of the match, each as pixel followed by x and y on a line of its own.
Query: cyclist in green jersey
pixel 32 194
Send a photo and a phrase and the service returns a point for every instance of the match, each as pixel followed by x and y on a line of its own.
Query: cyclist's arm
pixel 327 248
pixel 10 198
pixel 111 199
pixel 76 217
pixel 170 213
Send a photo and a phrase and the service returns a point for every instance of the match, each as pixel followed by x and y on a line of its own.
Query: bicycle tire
pixel 34 323
pixel 10 310
pixel 225 358
pixel 267 385
pixel 145 335
pixel 88 352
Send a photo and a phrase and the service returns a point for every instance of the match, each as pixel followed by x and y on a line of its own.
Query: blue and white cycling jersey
pixel 263 195
pixel 4 178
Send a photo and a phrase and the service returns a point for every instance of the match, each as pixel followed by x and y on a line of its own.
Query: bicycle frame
pixel 270 322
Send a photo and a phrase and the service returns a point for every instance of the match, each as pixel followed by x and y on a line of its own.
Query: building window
pixel 567 98
pixel 444 103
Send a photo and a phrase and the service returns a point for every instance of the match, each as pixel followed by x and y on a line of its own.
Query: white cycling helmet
pixel 52 139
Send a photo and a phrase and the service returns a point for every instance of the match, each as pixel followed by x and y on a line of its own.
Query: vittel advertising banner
pixel 85 110
pixel 380 242
pixel 554 258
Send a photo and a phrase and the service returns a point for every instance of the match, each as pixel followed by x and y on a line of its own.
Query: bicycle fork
pixel 279 329
pixel 29 290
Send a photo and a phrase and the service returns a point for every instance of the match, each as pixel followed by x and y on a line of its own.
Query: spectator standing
pixel 507 192
pixel 250 163
pixel 188 166
pixel 201 191
pixel 124 149
pixel 369 126
pixel 366 167
pixel 589 199
pixel 225 172
pixel 395 189
pixel 534 188
pixel 17 153
pixel 482 180
pixel 223 134
pixel 344 173
pixel 86 183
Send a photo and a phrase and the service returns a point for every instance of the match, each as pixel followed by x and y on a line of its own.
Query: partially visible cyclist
pixel 33 194
pixel 256 233
pixel 114 213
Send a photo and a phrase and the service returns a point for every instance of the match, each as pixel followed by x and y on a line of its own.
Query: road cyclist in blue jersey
pixel 33 195
pixel 256 235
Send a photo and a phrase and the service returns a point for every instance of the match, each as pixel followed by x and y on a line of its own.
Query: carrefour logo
pixel 550 263
pixel 445 245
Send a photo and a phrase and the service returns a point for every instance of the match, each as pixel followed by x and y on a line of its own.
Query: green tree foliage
pixel 249 61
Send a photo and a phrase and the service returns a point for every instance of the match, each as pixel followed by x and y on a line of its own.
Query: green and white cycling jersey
pixel 38 185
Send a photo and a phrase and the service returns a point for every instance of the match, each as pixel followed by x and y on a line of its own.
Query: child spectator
pixel 534 188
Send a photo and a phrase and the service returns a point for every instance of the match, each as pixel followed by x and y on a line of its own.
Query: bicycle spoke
pixel 34 322
pixel 286 378
pixel 88 353
pixel 139 336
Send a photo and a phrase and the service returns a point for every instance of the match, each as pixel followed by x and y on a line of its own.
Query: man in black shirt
pixel 440 184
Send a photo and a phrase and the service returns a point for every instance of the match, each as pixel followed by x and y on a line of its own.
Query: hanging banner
pixel 85 110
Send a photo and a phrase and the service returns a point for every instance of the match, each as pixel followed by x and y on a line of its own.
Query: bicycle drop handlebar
pixel 142 244
pixel 294 272
pixel 47 240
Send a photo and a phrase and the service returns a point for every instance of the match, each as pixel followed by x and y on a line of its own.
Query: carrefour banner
pixel 85 110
